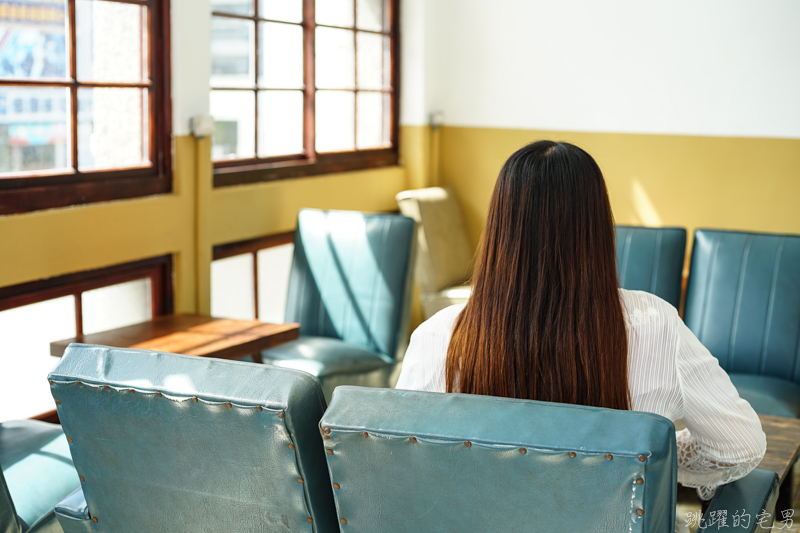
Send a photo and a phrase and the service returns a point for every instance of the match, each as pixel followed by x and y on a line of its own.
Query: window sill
pixel 225 176
pixel 24 195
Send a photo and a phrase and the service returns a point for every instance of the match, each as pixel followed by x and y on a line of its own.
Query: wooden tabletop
pixel 783 443
pixel 204 336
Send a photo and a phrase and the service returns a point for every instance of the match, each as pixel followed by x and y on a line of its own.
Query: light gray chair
pixel 444 254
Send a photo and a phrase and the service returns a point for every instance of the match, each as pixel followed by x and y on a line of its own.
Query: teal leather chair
pixel 184 444
pixel 743 303
pixel 37 473
pixel 407 461
pixel 350 290
pixel 651 260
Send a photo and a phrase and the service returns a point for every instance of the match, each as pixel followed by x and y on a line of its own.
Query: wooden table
pixel 204 336
pixel 783 445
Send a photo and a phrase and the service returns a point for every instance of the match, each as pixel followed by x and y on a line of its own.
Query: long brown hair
pixel 545 321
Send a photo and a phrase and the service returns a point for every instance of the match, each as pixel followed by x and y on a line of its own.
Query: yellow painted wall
pixel 749 184
pixel 653 180
pixel 186 223
pixel 49 243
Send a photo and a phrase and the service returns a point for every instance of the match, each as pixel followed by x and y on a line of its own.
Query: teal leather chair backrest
pixel 404 461
pixel 743 301
pixel 351 278
pixel 651 260
pixel 177 443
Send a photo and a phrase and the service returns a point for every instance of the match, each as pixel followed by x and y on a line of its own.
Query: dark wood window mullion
pixel 309 81
pixel 353 28
pixel 73 90
pixel 391 15
pixel 151 97
pixel 255 283
pixel 78 313
pixel 355 75
pixel 255 73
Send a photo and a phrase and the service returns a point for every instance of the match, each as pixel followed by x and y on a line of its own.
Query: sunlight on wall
pixel 747 184
pixel 644 207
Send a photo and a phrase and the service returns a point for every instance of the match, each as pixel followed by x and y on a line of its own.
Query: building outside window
pixel 88 91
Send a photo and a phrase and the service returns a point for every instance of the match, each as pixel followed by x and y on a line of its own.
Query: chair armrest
pixel 752 498
pixel 73 513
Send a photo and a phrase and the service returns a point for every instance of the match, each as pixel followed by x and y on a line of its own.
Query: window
pixel 302 87
pixel 90 113
pixel 250 279
pixel 32 315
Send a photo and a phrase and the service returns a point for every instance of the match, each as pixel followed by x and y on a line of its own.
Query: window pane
pixel 233 287
pixel 370 120
pixel 25 336
pixel 274 265
pixel 288 10
pixel 232 51
pixel 111 41
pixel 370 60
pixel 112 128
pixel 334 12
pixel 116 306
pixel 34 130
pixel 387 119
pixel 234 112
pixel 387 62
pixel 281 55
pixel 236 7
pixel 370 15
pixel 280 123
pixel 335 59
pixel 34 48
pixel 335 121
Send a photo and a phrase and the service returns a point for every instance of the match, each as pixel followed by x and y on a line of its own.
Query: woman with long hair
pixel 548 321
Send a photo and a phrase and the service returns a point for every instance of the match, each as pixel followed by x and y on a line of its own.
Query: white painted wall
pixel 413 60
pixel 697 67
pixel 191 61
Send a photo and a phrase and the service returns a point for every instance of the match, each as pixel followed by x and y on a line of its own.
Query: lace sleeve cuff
pixel 697 470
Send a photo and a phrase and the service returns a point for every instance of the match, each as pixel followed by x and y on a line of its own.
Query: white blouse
pixel 670 374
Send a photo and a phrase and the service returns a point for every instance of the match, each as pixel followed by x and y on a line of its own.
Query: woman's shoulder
pixel 442 322
pixel 645 309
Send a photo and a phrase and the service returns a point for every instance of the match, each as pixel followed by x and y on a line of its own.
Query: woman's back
pixel 547 321
pixel 669 373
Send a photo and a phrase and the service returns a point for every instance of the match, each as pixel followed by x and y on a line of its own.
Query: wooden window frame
pixel 252 247
pixel 30 191
pixel 311 163
pixel 157 269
